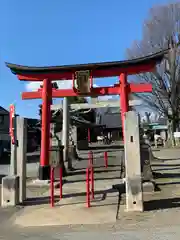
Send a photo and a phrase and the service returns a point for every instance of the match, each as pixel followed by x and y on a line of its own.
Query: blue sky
pixel 55 32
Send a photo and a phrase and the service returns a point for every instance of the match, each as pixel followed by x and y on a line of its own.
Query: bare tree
pixel 161 31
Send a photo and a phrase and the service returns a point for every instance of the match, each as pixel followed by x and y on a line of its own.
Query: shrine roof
pixel 84 123
pixel 101 69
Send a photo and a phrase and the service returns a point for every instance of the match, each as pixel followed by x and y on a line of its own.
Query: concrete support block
pixel 146 159
pixel 21 124
pixel 148 187
pixel 10 191
pixel 134 195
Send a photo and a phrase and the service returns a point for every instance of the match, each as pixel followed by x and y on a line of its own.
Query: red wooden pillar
pixel 89 135
pixel 44 169
pixel 124 101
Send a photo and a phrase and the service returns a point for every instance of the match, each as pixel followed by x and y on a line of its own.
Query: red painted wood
pixel 95 73
pixel 100 91
pixel 59 93
pixel 92 182
pixel 105 159
pixel 52 187
pixel 87 187
pixel 31 95
pixel 45 125
pixel 11 122
pixel 124 97
pixel 46 94
pixel 60 182
pixel 89 135
pixel 141 87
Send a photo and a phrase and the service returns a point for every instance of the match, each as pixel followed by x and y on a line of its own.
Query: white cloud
pixel 33 86
pixel 104 98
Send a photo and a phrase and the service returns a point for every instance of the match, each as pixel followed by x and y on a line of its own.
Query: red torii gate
pixel 96 70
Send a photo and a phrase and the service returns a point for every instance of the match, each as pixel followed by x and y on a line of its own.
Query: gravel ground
pixel 171 232
pixel 153 225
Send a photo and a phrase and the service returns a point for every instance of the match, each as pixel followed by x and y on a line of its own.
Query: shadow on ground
pixel 108 147
pixel 107 150
pixel 46 200
pixel 97 179
pixel 97 157
pixel 82 171
pixel 109 165
pixel 165 165
pixel 151 205
pixel 168 183
pixel 166 175
pixel 162 204
pixel 39 201
pixel 166 169
pixel 155 150
pixel 165 159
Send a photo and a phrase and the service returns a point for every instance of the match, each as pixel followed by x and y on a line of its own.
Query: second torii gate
pixel 94 104
pixel 82 78
pixel 97 104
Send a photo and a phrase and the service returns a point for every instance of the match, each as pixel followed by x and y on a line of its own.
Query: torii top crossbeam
pixel 95 70
pixel 99 70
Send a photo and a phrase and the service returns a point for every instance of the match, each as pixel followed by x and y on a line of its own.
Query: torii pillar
pixel 124 98
pixel 45 128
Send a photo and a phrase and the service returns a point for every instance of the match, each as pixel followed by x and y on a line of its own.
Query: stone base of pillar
pixel 148 187
pixel 44 172
pixel 10 191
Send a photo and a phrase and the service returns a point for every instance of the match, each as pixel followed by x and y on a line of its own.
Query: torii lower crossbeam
pixel 99 91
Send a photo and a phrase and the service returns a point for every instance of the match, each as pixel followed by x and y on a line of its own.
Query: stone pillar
pixel 57 144
pixel 65 131
pixel 13 189
pixel 134 195
pixel 21 125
